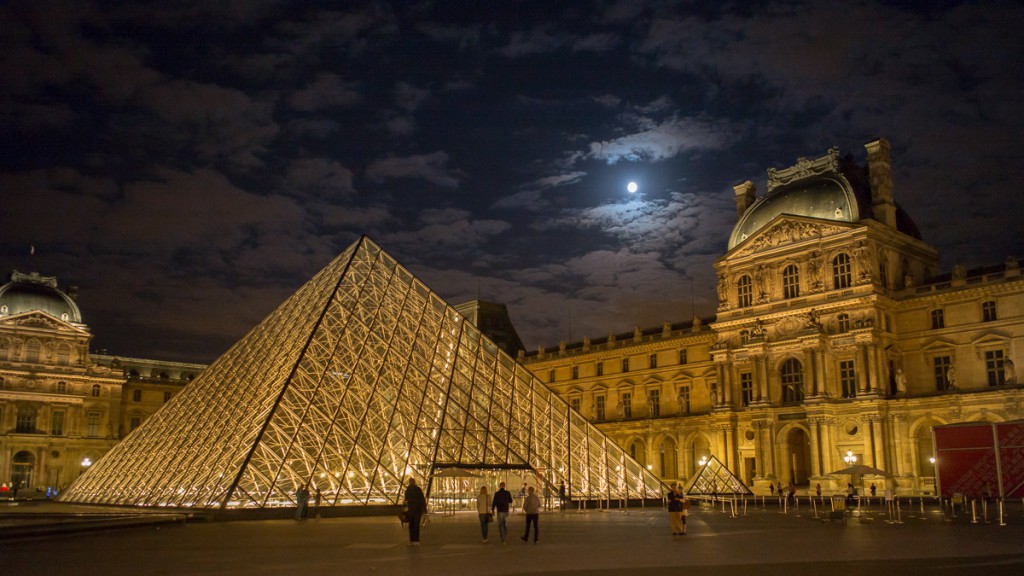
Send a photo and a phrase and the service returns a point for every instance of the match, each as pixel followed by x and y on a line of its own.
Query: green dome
pixel 29 292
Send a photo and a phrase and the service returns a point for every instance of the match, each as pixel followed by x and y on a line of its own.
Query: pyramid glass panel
pixel 715 479
pixel 361 380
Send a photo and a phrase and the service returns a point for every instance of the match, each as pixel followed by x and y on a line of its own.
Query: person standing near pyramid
pixel 501 502
pixel 416 503
pixel 531 507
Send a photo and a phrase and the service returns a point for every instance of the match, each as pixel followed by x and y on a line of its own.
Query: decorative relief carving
pixel 786 232
pixel 804 168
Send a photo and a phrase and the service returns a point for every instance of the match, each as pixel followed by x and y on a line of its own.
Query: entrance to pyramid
pixel 357 383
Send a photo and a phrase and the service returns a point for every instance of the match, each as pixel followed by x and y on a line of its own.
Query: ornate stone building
pixel 60 407
pixel 836 338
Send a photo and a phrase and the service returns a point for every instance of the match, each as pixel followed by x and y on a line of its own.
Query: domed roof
pixel 28 292
pixel 828 188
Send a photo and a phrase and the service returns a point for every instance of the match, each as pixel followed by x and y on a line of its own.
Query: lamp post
pixel 935 481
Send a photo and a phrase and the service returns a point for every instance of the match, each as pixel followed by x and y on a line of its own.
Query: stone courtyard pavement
pixel 594 543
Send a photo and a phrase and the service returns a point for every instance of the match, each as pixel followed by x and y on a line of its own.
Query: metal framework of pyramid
pixel 714 478
pixel 362 379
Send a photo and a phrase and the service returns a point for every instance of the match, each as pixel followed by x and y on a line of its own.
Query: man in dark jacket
pixel 501 502
pixel 416 503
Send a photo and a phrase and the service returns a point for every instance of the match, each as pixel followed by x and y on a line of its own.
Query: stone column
pixel 810 372
pixel 822 380
pixel 862 369
pixel 872 352
pixel 815 447
pixel 763 377
pixel 759 448
pixel 730 441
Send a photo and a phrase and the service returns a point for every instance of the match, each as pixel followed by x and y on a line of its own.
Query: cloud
pixel 538 41
pixel 430 167
pixel 409 97
pixel 327 91
pixel 319 177
pixel 662 141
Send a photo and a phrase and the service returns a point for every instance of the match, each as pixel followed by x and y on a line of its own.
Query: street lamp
pixel 935 481
pixel 86 462
pixel 703 460
pixel 850 459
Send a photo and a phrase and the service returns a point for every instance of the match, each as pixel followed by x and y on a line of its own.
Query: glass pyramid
pixel 360 380
pixel 714 478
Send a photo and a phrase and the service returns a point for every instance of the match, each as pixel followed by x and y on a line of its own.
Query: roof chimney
pixel 744 197
pixel 880 175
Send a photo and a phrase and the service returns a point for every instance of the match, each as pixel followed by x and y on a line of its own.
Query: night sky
pixel 189 165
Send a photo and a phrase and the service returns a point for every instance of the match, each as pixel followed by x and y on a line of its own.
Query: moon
pixel 632 187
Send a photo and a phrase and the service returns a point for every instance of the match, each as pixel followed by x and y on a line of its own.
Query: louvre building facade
pixel 836 338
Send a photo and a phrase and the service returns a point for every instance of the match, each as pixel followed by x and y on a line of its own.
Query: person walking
pixel 483 508
pixel 686 509
pixel 531 507
pixel 500 504
pixel 416 504
pixel 675 510
pixel 561 494
pixel 301 502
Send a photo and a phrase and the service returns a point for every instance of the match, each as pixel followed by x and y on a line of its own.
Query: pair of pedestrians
pixel 501 504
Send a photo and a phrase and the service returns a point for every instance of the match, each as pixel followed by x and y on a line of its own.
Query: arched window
pixel 791 282
pixel 844 322
pixel 792 375
pixel 842 273
pixel 744 292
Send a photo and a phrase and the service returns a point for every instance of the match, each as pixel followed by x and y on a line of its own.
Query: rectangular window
pixel 625 364
pixel 92 424
pixel 167 396
pixel 682 356
pixel 600 368
pixel 599 407
pixel 575 404
pixel 654 403
pixel 57 423
pixel 62 387
pixel 551 376
pixel 988 312
pixel 684 399
pixel 626 402
pixel 654 360
pixel 941 366
pixel 134 422
pixel 938 320
pixel 26 423
pixel 575 372
pixel 136 395
pixel 747 387
pixel 994 367
pixel 848 378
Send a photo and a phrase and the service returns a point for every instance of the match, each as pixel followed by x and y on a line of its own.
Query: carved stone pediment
pixel 42 320
pixel 787 231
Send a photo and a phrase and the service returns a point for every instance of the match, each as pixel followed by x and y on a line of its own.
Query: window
pixel 684 399
pixel 626 401
pixel 134 422
pixel 625 364
pixel 575 372
pixel 167 396
pixel 57 423
pixel 654 403
pixel 842 273
pixel 848 378
pixel 938 319
pixel 63 355
pixel 136 395
pixel 600 368
pixel 844 323
pixel 654 360
pixel 92 424
pixel 988 311
pixel 26 422
pixel 599 407
pixel 575 404
pixel 941 365
pixel 62 387
pixel 883 272
pixel 744 337
pixel 95 390
pixel 994 367
pixel 551 376
pixel 791 282
pixel 792 374
pixel 682 356
pixel 744 292
pixel 32 351
pixel 747 388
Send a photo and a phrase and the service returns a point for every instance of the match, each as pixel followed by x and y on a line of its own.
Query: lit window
pixel 791 282
pixel 792 374
pixel 744 292
pixel 938 319
pixel 988 311
pixel 842 272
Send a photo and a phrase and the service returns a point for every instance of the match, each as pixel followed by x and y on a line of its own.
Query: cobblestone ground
pixel 639 542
